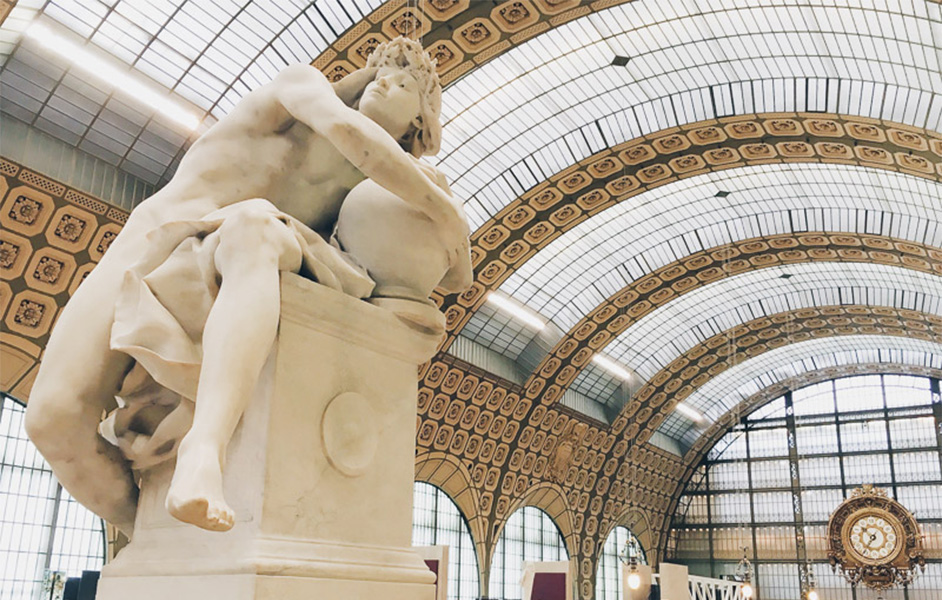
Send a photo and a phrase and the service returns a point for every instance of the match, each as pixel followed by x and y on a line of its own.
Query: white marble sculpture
pixel 180 316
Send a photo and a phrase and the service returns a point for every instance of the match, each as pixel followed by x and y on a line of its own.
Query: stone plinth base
pixel 258 587
pixel 319 473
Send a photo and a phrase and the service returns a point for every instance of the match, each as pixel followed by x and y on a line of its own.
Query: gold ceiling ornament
pixel 873 540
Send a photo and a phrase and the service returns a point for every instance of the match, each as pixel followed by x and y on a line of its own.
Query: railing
pixel 706 588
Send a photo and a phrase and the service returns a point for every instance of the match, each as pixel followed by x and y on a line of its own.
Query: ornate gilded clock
pixel 874 540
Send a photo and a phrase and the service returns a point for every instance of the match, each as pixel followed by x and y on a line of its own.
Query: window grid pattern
pixel 41 526
pixel 608 578
pixel 743 513
pixel 436 521
pixel 731 387
pixel 859 59
pixel 528 535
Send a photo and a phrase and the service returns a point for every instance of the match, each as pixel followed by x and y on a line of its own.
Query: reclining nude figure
pixel 301 144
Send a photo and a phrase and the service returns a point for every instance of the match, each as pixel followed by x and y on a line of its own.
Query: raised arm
pixel 309 97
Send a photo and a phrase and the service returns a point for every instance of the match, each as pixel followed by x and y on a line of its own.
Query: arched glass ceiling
pixel 602 255
pixel 722 393
pixel 555 100
pixel 663 335
pixel 666 333
pixel 209 53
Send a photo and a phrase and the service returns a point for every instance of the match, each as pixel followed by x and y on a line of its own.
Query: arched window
pixel 608 577
pixel 529 535
pixel 41 527
pixel 865 429
pixel 436 521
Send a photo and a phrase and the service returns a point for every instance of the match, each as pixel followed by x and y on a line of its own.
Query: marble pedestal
pixel 319 472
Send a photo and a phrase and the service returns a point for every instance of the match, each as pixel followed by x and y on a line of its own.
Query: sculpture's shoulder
pixel 301 74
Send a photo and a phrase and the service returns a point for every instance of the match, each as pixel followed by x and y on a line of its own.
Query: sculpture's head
pixel 405 98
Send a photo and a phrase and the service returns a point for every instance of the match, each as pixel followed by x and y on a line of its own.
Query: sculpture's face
pixel 392 101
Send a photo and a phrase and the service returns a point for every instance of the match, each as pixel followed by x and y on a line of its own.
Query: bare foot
pixel 195 494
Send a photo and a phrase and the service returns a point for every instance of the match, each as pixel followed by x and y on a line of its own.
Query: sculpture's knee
pixel 49 422
pixel 253 238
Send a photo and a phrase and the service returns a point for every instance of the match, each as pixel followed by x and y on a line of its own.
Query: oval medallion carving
pixel 349 433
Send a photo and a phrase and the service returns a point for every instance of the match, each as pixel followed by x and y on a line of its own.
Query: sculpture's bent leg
pixel 77 381
pixel 253 246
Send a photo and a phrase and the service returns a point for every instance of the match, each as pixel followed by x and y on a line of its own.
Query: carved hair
pixel 409 55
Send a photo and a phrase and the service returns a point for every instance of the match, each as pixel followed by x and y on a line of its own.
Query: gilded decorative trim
pixel 548 210
pixel 617 313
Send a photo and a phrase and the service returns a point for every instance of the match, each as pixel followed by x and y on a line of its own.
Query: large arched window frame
pixel 436 521
pixel 529 535
pixel 42 528
pixel 879 429
pixel 608 577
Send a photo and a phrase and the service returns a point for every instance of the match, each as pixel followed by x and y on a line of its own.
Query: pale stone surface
pixel 673 581
pixel 334 521
pixel 439 554
pixel 251 197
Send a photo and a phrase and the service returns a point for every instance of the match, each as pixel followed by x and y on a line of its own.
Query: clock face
pixel 874 537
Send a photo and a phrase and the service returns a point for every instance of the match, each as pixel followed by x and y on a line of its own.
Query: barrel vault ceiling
pixel 725 199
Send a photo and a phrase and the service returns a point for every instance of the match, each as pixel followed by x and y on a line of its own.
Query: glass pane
pixel 759 512
pixel 29 497
pixel 814 399
pixel 863 436
pixel 913 433
pixel 820 439
pixel 873 468
pixel 768 442
pixel 820 471
pixel 528 535
pixel 859 393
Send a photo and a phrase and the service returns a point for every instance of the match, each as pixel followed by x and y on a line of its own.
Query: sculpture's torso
pixel 257 151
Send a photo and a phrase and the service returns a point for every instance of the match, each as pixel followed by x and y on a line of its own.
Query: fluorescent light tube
pixel 122 81
pixel 612 367
pixel 690 413
pixel 516 310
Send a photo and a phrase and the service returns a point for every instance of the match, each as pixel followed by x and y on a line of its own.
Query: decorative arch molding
pixel 551 500
pixel 459 34
pixel 53 236
pixel 677 381
pixel 643 296
pixel 5 7
pixel 447 473
pixel 636 520
pixel 549 209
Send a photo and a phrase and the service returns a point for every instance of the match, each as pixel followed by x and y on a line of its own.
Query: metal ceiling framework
pixel 620 246
pixel 697 303
pixel 619 201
